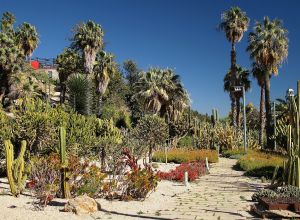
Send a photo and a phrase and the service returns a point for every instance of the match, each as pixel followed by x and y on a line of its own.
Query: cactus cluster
pixel 291 174
pixel 214 117
pixel 64 164
pixel 16 171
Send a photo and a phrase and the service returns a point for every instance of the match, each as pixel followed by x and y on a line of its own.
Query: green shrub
pixel 184 156
pixel 234 153
pixel 185 142
pixel 260 164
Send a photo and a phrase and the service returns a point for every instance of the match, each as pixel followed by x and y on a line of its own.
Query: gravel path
pixel 223 194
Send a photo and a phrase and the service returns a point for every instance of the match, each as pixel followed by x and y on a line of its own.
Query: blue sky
pixel 167 33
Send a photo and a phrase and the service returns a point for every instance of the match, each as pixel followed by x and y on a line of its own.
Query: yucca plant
pixel 80 93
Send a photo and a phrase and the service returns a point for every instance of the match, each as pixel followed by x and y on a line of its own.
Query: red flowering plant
pixel 194 169
pixel 137 181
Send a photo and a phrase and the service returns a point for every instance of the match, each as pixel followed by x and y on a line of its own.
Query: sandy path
pixel 224 194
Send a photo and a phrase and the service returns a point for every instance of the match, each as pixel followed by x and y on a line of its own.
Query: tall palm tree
pixel 68 62
pixel 234 24
pixel 104 68
pixel 268 47
pixel 88 38
pixel 27 38
pixel 258 74
pixel 162 93
pixel 241 78
pixel 11 58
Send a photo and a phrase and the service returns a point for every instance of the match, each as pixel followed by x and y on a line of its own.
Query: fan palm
pixel 11 58
pixel 268 47
pixel 241 78
pixel 258 74
pixel 7 23
pixel 88 38
pixel 27 38
pixel 104 68
pixel 234 24
pixel 68 62
pixel 162 93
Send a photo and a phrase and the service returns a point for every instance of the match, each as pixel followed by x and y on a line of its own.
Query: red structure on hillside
pixel 35 64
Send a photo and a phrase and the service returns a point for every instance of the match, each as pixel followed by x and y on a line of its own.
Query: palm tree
pixel 68 62
pixel 162 93
pixel 7 23
pixel 27 38
pixel 104 68
pixel 258 74
pixel 234 24
pixel 241 78
pixel 268 47
pixel 88 38
pixel 11 58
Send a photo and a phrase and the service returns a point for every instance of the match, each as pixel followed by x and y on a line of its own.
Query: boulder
pixel 82 205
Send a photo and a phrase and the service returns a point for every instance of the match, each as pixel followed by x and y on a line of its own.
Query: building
pixel 48 65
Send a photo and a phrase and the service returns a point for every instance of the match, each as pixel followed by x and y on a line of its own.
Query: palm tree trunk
pixel 233 110
pixel 238 110
pixel 99 106
pixel 262 116
pixel 4 86
pixel 62 93
pixel 233 58
pixel 233 71
pixel 150 153
pixel 269 129
pixel 102 158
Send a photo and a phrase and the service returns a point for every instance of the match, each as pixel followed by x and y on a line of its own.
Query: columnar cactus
pixel 292 168
pixel 15 168
pixel 214 121
pixel 64 163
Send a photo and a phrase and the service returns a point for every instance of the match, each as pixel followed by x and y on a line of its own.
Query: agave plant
pixel 79 89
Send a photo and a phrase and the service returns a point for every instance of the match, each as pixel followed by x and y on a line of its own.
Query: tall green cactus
pixel 214 121
pixel 64 164
pixel 15 168
pixel 293 141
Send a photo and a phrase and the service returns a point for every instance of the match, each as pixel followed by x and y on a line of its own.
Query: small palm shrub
pixel 184 156
pixel 195 170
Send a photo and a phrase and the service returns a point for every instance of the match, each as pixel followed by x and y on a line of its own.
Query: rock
pixel 82 205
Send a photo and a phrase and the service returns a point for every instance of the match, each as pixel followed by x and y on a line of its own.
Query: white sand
pixel 224 194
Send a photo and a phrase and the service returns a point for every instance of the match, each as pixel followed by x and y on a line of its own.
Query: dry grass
pixel 184 156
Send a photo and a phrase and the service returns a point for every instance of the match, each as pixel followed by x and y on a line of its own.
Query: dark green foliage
pixel 282 192
pixel 152 131
pixel 80 94
pixel 264 193
pixel 132 74
pixel 186 142
pixel 234 153
pixel 68 62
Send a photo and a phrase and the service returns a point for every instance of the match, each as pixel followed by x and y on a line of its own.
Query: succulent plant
pixel 264 193
pixel 289 191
